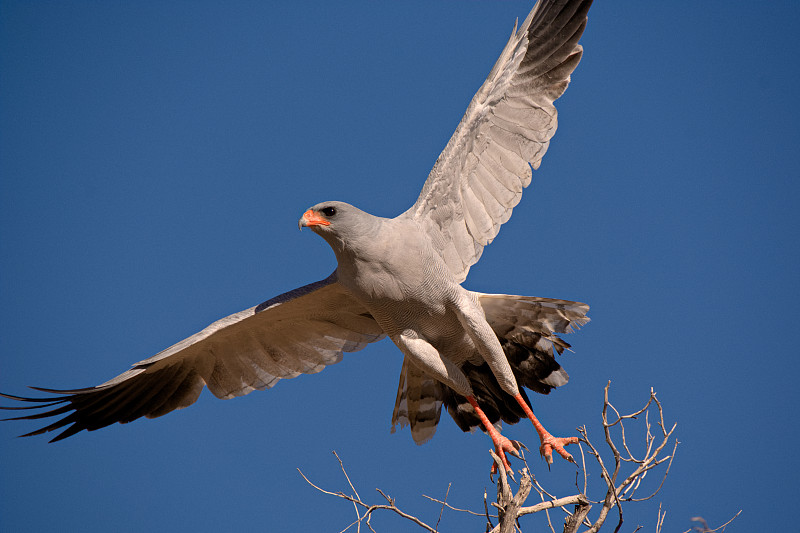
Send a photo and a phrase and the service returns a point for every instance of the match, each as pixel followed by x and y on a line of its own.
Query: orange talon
pixel 506 446
pixel 549 442
pixel 502 445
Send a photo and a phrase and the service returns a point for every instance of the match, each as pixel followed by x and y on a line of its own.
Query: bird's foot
pixel 502 446
pixel 551 443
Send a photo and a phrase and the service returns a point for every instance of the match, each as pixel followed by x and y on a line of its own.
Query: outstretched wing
pixel 479 177
pixel 299 332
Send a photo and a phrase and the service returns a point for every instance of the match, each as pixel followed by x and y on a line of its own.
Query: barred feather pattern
pixel 418 404
pixel 474 185
pixel 526 327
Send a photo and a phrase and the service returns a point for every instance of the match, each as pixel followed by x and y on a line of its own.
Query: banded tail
pixel 526 327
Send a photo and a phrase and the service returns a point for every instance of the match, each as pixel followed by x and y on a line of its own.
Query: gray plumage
pixel 397 277
pixel 526 327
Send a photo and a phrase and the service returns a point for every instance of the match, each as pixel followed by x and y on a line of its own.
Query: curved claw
pixel 505 445
pixel 509 472
pixel 502 445
pixel 550 443
pixel 514 447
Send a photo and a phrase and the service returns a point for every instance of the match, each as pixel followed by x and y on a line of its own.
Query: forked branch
pixel 622 471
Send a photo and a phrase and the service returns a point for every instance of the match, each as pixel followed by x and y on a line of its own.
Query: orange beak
pixel 310 218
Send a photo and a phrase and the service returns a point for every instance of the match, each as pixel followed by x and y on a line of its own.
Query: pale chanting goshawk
pixel 401 278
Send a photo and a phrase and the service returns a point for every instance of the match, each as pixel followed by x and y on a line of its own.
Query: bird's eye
pixel 328 211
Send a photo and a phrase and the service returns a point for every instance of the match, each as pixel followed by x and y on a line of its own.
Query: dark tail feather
pixel 526 328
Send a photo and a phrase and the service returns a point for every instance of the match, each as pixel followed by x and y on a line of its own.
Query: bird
pixel 470 353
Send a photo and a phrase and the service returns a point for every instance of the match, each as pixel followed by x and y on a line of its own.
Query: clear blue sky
pixel 155 158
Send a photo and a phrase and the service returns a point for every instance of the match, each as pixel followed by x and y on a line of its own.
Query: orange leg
pixel 501 443
pixel 549 442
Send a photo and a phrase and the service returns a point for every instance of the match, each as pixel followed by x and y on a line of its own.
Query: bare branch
pixel 574 521
pixel 660 520
pixel 704 527
pixel 445 504
pixel 577 499
pixel 486 508
pixel 623 471
pixel 583 466
pixel 338 494
pixel 355 507
pixel 508 518
pixel 504 493
pixel 619 491
pixel 341 464
pixel 370 508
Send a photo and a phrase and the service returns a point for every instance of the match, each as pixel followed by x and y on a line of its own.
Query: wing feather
pixel 493 178
pixel 299 332
pixel 495 210
pixel 506 313
pixel 418 403
pixel 505 132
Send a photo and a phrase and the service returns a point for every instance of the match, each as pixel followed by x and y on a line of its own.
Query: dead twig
pixel 369 509
pixel 619 491
pixel 705 528
pixel 623 474
pixel 443 504
pixel 452 508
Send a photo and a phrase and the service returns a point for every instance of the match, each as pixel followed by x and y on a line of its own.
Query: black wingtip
pixel 63 392
pixel 54 402
pixel 26 398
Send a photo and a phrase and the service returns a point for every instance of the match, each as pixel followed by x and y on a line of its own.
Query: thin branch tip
pixel 623 464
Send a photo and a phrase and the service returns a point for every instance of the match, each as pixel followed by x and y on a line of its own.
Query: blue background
pixel 155 158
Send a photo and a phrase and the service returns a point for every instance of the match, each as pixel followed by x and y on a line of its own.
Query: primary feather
pixel 398 277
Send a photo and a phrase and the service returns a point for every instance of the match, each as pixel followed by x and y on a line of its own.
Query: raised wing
pixel 479 177
pixel 299 332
